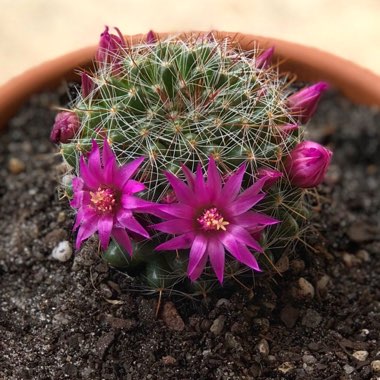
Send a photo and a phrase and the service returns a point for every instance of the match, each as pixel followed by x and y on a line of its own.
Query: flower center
pixel 103 200
pixel 212 219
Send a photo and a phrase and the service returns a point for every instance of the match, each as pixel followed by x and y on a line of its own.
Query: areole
pixel 309 64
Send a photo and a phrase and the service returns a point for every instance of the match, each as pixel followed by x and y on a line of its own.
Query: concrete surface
pixel 32 31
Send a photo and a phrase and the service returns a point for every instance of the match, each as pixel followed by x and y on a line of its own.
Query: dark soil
pixel 82 320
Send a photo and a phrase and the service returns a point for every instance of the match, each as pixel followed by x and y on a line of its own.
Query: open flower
pixel 210 218
pixel 307 164
pixel 103 195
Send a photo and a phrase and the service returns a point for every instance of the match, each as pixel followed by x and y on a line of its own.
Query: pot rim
pixel 358 84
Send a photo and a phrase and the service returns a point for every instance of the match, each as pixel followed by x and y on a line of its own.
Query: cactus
pixel 179 103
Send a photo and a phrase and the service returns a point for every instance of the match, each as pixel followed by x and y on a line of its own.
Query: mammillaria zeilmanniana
pixel 213 140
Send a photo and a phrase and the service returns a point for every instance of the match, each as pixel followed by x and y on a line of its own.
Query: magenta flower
pixel 103 195
pixel 66 125
pixel 210 218
pixel 307 164
pixel 265 58
pixel 303 103
pixel 110 47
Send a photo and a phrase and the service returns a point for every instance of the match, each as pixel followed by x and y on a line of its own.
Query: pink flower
pixel 265 58
pixel 110 47
pixel 307 164
pixel 303 103
pixel 103 195
pixel 65 127
pixel 211 217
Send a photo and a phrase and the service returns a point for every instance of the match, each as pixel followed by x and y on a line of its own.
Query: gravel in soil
pixel 72 317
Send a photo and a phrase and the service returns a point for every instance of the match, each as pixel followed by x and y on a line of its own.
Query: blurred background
pixel 33 31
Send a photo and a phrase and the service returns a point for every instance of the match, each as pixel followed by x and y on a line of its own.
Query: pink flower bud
pixel 307 164
pixel 110 46
pixel 151 37
pixel 265 58
pixel 304 103
pixel 87 84
pixel 288 128
pixel 270 175
pixel 65 127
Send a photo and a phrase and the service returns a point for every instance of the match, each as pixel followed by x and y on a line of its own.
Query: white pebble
pixel 305 288
pixel 360 355
pixel 348 369
pixel 62 252
pixel 375 365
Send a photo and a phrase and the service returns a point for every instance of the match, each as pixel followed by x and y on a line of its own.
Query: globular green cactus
pixel 179 102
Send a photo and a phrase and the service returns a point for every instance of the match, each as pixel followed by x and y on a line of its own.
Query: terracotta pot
pixel 309 64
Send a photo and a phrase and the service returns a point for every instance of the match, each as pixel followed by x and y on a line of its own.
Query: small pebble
pixel 62 252
pixel 169 360
pixel 363 255
pixel 311 319
pixel 171 317
pixel 289 316
pixel 263 347
pixel 286 367
pixel 61 217
pixel 305 288
pixel 375 365
pixel 360 355
pixel 223 302
pixel 309 359
pixel 350 260
pixel 348 369
pixel 232 342
pixel 323 282
pixel 15 165
pixel 218 325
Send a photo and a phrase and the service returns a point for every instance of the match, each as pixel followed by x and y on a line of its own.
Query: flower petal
pixel 179 242
pixel 84 214
pixel 215 251
pixel 121 236
pixel 129 222
pixel 197 251
pixel 190 178
pixel 199 268
pixel 240 252
pixel 242 235
pixel 182 192
pixel 108 154
pixel 86 230
pixel 178 210
pixel 243 204
pixel 105 224
pixel 130 202
pixel 128 170
pixel 132 186
pixel 94 163
pixel 252 219
pixel 214 183
pixel 232 187
pixel 89 178
pixel 174 226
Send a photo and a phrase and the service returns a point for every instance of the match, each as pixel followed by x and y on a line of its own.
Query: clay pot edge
pixel 309 64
